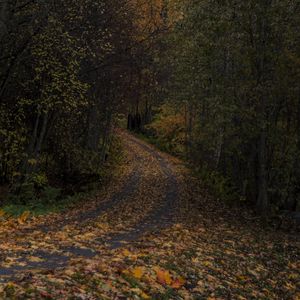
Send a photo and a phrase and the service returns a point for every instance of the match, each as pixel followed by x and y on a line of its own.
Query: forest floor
pixel 153 233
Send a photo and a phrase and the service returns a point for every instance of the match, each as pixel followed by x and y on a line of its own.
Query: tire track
pixel 161 216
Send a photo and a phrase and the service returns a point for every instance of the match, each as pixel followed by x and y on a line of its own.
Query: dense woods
pixel 149 149
pixel 232 93
pixel 214 82
pixel 67 69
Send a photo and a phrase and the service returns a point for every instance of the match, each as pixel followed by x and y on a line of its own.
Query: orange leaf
pixel 163 277
pixel 22 219
pixel 2 213
pixel 178 283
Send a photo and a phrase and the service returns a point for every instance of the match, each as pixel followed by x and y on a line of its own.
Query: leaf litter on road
pixel 207 252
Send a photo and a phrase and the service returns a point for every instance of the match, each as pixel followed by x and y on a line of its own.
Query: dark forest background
pixel 214 82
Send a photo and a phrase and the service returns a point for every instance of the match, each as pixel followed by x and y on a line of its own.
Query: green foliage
pixel 38 180
pixel 218 185
pixel 50 201
pixel 234 74
pixel 168 130
pixel 169 294
pixel 57 106
pixel 50 195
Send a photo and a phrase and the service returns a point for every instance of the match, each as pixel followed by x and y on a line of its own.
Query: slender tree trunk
pixel 186 131
pixel 219 149
pixel 105 142
pixel 40 142
pixel 31 146
pixel 34 135
pixel 263 201
pixel 42 136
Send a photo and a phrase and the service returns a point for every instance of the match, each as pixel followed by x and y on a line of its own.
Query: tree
pixel 64 75
pixel 231 63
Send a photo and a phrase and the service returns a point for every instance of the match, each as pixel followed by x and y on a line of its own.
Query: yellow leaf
pixel 207 264
pixel 22 219
pixel 290 286
pixel 139 292
pixel 70 272
pixel 2 213
pixel 35 259
pixel 87 236
pixel 126 272
pixel 293 276
pixel 242 277
pixel 145 296
pixel 10 285
pixel 126 252
pixel 138 272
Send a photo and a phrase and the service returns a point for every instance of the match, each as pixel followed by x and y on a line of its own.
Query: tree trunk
pixel 106 137
pixel 262 201
pixel 40 142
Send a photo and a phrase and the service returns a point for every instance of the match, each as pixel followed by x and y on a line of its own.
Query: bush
pixel 50 195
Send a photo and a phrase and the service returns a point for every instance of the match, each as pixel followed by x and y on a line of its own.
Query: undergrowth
pixel 39 197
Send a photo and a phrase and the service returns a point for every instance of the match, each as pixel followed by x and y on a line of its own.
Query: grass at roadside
pixel 38 208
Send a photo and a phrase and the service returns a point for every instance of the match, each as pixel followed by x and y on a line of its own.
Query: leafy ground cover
pixel 154 233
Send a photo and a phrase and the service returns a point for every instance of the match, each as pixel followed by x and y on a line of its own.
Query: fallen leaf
pixel 163 277
pixel 22 219
pixel 2 213
pixel 35 259
pixel 145 296
pixel 126 252
pixel 178 283
pixel 138 272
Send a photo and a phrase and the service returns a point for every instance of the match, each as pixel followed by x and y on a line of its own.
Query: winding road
pixel 143 200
